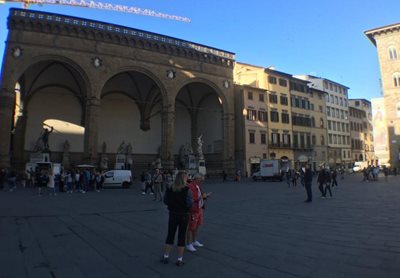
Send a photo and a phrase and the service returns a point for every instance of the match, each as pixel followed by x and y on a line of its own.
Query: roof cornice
pixel 381 30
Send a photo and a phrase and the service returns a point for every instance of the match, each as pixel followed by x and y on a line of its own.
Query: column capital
pixel 92 101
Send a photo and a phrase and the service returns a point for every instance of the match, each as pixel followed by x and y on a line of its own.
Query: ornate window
pixel 396 79
pixel 392 53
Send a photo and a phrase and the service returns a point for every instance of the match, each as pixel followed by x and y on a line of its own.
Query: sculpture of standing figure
pixel 129 149
pixel 45 137
pixel 122 148
pixel 66 146
pixel 200 146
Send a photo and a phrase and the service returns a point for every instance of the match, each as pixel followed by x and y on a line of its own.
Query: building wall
pixel 380 131
pixel 339 151
pixel 250 153
pixel 141 63
pixel 62 105
pixel 360 111
pixel 385 40
pixel 319 130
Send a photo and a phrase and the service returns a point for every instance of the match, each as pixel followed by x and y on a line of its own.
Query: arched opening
pixel 199 112
pixel 52 95
pixel 131 115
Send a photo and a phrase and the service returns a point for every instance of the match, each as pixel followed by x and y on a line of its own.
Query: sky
pixel 324 38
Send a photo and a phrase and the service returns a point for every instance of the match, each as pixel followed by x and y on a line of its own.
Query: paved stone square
pixel 252 229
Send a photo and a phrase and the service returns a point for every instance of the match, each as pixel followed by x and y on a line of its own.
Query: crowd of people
pixel 75 180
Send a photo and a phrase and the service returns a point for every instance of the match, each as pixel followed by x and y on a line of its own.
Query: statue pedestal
pixel 104 162
pixel 120 161
pixel 39 157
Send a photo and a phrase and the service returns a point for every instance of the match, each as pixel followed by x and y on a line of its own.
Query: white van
pixel 118 178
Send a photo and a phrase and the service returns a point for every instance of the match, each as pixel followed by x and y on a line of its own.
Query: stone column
pixel 7 101
pixel 92 113
pixel 168 137
pixel 229 143
pixel 193 131
pixel 19 141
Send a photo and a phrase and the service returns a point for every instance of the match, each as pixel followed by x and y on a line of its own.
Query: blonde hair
pixel 180 181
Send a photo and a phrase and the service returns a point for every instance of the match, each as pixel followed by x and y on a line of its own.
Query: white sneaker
pixel 190 248
pixel 197 244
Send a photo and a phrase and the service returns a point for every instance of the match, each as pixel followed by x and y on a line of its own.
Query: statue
pixel 200 146
pixel 129 149
pixel 122 148
pixel 66 146
pixel 188 149
pixel 157 163
pixel 45 137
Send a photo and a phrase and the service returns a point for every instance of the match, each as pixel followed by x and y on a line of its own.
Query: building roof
pixel 312 89
pixel 321 78
pixel 376 31
pixel 95 25
pixel 273 71
pixel 360 99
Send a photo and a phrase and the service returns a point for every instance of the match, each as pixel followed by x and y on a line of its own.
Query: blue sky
pixel 318 37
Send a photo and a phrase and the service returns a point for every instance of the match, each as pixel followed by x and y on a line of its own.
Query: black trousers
pixel 308 191
pixel 177 222
pixel 321 188
pixel 328 187
pixel 148 186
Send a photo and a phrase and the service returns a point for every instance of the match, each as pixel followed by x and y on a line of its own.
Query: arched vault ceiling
pixel 46 73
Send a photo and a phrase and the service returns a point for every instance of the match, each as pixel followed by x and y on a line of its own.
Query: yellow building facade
pixel 296 119
pixel 362 141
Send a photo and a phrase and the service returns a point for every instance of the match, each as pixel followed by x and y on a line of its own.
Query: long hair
pixel 180 181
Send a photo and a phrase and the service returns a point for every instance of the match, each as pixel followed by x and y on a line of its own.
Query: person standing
pixel 334 176
pixel 157 182
pixel 308 176
pixel 196 212
pixel 179 200
pixel 294 177
pixel 386 173
pixel 224 176
pixel 12 180
pixel 143 183
pixel 327 179
pixel 321 181
pixel 149 183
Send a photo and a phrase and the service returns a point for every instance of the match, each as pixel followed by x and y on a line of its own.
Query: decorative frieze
pixel 94 30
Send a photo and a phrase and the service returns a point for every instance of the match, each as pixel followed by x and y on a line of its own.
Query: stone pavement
pixel 252 229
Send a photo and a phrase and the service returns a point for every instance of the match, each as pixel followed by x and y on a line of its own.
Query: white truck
pixel 359 166
pixel 269 169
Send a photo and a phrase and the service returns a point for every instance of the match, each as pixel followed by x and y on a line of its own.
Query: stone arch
pixel 62 59
pixel 211 84
pixel 196 100
pixel 140 96
pixel 64 85
pixel 144 71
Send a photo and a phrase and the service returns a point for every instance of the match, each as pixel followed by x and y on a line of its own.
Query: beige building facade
pixel 339 148
pixel 362 141
pixel 380 131
pixel 386 39
pixel 115 84
pixel 319 132
pixel 296 127
pixel 251 127
pixel 277 100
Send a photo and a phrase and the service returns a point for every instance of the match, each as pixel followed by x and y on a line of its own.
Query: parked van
pixel 269 169
pixel 118 178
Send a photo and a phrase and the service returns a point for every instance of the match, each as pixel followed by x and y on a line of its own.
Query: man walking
pixel 308 175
